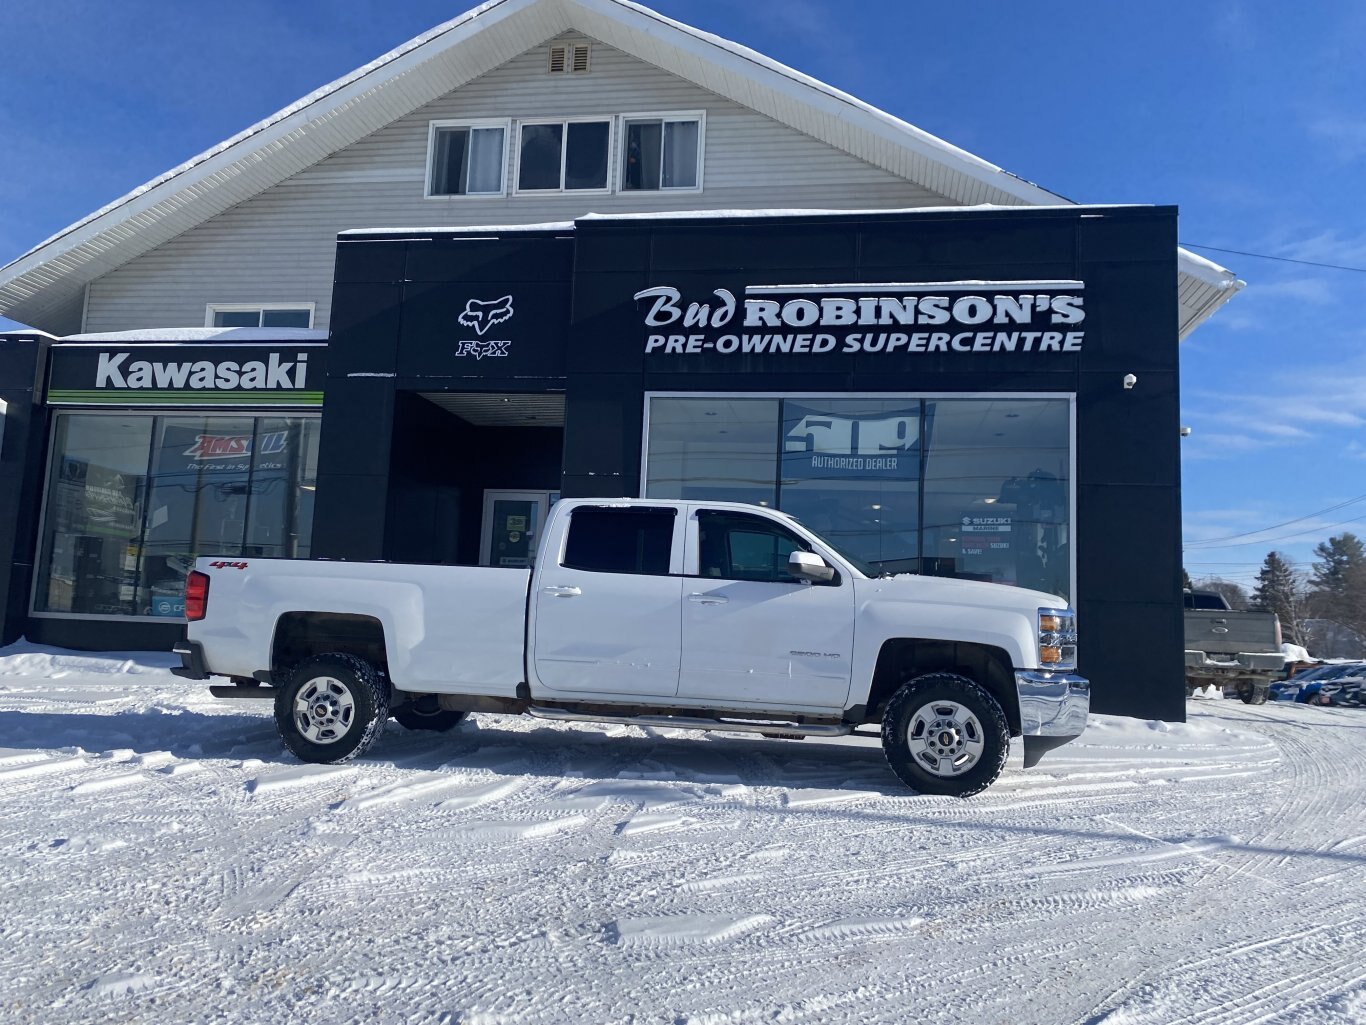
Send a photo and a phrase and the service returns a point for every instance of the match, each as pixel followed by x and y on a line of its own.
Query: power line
pixel 1285 537
pixel 1217 542
pixel 1281 259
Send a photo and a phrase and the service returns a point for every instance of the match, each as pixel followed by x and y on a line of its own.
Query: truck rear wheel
pixel 332 709
pixel 944 734
pixel 1253 693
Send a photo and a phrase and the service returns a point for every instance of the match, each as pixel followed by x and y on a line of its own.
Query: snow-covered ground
pixel 162 858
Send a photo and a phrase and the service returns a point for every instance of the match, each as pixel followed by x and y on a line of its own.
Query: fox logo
pixel 482 315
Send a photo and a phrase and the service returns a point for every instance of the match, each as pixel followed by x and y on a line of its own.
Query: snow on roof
pixel 156 336
pixel 459 229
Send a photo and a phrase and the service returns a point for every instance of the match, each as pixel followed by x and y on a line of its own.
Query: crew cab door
pixel 752 634
pixel 606 605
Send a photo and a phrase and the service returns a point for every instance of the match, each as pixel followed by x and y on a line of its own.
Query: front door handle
pixel 561 591
pixel 707 599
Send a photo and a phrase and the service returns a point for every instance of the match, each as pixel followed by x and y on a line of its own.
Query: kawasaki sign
pixel 187 375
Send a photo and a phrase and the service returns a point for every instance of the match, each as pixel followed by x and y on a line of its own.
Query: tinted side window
pixel 734 546
pixel 603 540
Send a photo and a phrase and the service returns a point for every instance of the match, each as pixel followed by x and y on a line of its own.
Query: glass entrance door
pixel 512 526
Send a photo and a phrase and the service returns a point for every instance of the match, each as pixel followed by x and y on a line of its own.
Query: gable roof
pixel 345 111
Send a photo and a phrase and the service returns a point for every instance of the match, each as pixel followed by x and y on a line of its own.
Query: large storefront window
pixel 972 488
pixel 133 500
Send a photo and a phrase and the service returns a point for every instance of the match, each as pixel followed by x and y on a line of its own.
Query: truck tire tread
pixel 369 691
pixel 913 695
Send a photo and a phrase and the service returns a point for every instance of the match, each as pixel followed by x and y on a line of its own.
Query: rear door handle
pixel 707 599
pixel 562 591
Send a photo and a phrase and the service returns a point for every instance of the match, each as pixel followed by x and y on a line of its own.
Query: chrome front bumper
pixel 1053 710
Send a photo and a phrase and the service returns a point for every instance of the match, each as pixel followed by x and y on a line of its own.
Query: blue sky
pixel 1250 116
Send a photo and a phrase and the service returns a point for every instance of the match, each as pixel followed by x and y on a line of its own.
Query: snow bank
pixel 42 662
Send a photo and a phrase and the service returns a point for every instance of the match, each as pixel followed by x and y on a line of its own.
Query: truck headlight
pixel 1057 639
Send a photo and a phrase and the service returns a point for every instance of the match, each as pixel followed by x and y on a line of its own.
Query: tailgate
pixel 1231 632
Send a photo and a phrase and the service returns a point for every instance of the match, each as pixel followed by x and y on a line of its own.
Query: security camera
pixel 1129 381
pixel 1185 431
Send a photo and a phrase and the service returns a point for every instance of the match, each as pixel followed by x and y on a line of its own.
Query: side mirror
pixel 809 566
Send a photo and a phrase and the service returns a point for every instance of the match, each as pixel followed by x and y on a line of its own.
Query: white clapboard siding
pixel 280 245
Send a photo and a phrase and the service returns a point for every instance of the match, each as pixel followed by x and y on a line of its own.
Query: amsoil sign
pixel 898 319
pixel 186 375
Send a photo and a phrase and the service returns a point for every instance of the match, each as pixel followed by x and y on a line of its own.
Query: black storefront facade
pixel 987 393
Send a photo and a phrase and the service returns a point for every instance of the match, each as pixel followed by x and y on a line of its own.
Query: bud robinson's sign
pixel 898 320
pixel 187 375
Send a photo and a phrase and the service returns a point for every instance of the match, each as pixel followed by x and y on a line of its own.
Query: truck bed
pixel 447 628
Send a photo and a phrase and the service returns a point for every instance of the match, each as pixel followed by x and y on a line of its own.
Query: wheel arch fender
pixel 903 658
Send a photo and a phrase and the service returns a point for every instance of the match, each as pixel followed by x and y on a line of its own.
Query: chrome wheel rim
pixel 945 738
pixel 324 710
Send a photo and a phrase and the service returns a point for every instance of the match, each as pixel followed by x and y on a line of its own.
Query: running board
pixel 236 692
pixel 683 723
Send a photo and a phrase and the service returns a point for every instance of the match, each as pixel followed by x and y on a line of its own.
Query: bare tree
pixel 1235 594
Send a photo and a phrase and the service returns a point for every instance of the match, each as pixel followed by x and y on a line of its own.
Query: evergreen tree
pixel 1186 584
pixel 1280 590
pixel 1338 557
pixel 1339 582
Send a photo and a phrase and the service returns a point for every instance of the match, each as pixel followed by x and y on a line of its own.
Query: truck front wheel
pixel 944 734
pixel 332 709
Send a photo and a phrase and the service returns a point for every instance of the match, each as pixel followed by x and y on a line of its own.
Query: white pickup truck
pixel 676 614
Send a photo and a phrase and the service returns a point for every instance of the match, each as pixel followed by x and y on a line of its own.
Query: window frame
pixel 700 116
pixel 211 309
pixel 151 413
pixel 505 123
pixel 565 122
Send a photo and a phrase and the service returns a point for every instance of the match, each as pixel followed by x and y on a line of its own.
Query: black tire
pixel 1253 694
pixel 973 726
pixel 332 709
pixel 424 713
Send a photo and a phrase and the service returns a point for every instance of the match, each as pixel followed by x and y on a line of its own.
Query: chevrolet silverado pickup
pixel 700 615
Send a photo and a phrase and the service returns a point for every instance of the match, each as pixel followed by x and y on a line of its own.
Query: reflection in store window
pixel 718 449
pixel 972 488
pixel 996 493
pixel 94 515
pixel 851 472
pixel 134 500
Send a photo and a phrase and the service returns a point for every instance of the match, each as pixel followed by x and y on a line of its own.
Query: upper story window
pixel 467 158
pixel 662 152
pixel 564 156
pixel 621 153
pixel 259 315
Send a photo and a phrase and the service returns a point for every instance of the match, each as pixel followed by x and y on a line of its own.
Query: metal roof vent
pixel 569 57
